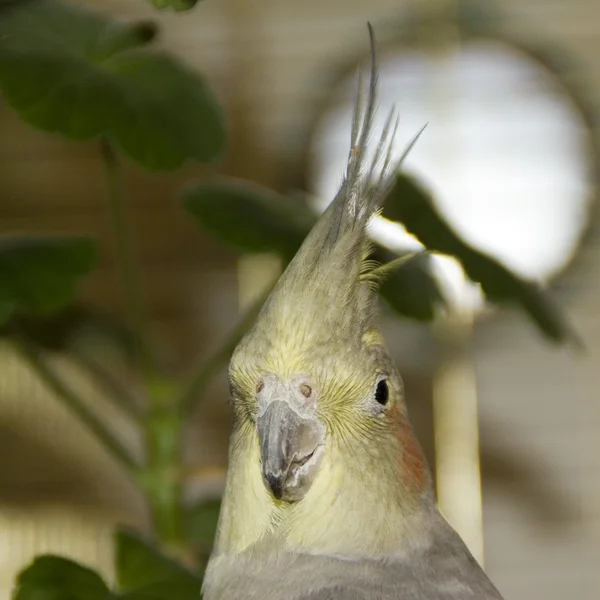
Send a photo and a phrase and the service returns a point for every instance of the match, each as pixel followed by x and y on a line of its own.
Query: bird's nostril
pixel 306 390
pixel 260 386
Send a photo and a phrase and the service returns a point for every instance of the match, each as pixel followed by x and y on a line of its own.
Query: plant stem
pixel 50 377
pixel 128 271
pixel 162 426
pixel 162 486
pixel 207 369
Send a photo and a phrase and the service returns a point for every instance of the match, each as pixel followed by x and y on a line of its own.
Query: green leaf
pixel 410 204
pixel 412 291
pixel 38 274
pixel 140 567
pixel 166 590
pixel 56 578
pixel 176 5
pixel 69 70
pixel 201 525
pixel 73 327
pixel 249 217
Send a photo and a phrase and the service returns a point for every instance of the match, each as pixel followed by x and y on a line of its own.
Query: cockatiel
pixel 328 496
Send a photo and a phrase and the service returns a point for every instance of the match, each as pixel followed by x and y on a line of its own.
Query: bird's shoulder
pixel 443 569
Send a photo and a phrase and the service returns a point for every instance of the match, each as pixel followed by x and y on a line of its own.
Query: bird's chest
pixel 276 577
pixel 307 577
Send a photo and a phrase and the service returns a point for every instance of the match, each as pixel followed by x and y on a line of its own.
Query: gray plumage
pixel 440 569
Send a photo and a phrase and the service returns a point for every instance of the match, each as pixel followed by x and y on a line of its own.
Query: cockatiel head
pixel 322 456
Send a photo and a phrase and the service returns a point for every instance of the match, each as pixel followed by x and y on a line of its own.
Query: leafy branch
pixel 79 73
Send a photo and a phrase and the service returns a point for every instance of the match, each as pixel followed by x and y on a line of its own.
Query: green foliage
pixel 201 526
pixel 68 70
pixel 176 5
pixel 56 578
pixel 74 327
pixel 412 290
pixel 410 204
pixel 249 217
pixel 38 274
pixel 143 573
pixel 141 568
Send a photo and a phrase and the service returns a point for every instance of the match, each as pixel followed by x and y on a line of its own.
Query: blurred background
pixel 510 152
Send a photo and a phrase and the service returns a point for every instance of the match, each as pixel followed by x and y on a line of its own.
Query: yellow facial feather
pixel 345 485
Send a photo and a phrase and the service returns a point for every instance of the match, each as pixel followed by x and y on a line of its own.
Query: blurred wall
pixel 540 410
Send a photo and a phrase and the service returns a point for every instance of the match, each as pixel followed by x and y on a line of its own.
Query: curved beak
pixel 290 446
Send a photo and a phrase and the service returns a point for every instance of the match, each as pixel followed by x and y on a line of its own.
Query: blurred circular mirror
pixel 507 153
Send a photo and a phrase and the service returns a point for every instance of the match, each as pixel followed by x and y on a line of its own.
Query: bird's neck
pixel 353 508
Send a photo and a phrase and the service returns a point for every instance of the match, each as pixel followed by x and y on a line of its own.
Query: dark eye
pixel 382 392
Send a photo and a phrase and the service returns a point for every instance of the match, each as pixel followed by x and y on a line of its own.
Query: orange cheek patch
pixel 412 464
